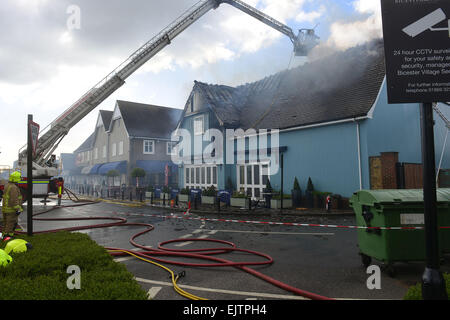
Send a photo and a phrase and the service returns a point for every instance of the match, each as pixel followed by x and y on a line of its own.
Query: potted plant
pixel 309 194
pixel 296 194
pixel 209 195
pixel 165 194
pixel 149 192
pixel 184 195
pixel 138 173
pixel 275 202
pixel 239 199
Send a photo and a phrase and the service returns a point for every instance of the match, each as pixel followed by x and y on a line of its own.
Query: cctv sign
pixel 417 50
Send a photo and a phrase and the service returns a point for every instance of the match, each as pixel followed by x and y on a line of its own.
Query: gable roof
pixel 106 117
pixel 87 144
pixel 341 86
pixel 148 121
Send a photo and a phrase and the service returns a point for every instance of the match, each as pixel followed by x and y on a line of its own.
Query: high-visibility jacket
pixel 12 199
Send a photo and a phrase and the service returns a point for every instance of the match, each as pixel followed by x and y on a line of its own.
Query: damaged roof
pixel 148 121
pixel 340 86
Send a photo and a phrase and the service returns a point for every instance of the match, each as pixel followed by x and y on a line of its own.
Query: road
pixel 324 261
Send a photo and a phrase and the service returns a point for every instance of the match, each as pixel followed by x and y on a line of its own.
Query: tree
pixel 138 173
pixel 113 174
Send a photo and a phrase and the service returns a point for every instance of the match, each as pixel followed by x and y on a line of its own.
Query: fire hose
pixel 153 256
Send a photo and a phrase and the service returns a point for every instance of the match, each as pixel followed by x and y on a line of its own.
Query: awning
pixel 120 166
pixel 86 170
pixel 154 166
pixel 95 168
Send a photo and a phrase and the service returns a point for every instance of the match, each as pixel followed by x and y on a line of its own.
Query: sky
pixel 54 51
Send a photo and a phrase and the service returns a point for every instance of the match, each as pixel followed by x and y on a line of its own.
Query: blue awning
pixel 154 166
pixel 94 169
pixel 120 166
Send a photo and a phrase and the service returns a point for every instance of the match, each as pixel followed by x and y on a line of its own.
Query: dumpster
pixel 397 208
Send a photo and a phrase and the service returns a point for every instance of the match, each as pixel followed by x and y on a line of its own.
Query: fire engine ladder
pixel 58 129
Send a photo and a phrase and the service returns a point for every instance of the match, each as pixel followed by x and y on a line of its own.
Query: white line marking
pixel 282 233
pixel 242 293
pixel 152 292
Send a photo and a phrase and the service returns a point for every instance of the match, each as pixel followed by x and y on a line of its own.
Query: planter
pixel 239 202
pixel 164 196
pixel 208 200
pixel 276 204
pixel 183 197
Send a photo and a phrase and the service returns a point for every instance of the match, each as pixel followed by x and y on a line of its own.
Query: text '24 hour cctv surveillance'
pixel 427 23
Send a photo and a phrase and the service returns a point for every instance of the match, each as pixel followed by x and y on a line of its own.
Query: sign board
pixel 34 131
pixel 417 49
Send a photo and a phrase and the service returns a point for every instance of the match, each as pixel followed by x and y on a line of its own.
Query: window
pixel 201 176
pixel 198 125
pixel 114 150
pixel 149 147
pixel 104 151
pixel 170 149
pixel 253 179
pixel 96 153
pixel 120 148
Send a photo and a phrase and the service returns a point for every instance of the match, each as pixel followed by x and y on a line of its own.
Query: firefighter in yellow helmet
pixel 12 206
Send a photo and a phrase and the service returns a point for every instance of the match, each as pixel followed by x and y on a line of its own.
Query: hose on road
pixel 151 255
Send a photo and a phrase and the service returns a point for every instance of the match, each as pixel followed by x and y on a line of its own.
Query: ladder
pixel 53 134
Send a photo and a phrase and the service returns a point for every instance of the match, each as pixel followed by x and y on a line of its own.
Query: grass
pixel 41 273
pixel 415 292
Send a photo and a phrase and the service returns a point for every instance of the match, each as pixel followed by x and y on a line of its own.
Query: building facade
pixel 132 136
pixel 333 122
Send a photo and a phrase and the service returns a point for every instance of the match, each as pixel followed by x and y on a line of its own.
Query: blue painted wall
pixel 329 154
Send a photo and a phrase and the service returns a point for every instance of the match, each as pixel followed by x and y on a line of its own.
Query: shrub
pixel 240 195
pixel 41 273
pixel 310 186
pixel 296 184
pixel 165 189
pixel 185 191
pixel 151 189
pixel 415 292
pixel 210 192
pixel 278 196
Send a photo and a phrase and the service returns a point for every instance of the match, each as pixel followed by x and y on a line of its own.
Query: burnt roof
pixel 340 86
pixel 149 121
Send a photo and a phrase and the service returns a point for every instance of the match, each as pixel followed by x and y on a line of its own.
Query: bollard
pixel 164 199
pixel 131 195
pixel 151 199
pixel 218 204
pixel 123 195
pixel 141 196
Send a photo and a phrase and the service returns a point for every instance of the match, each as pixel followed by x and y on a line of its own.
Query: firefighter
pixel 12 206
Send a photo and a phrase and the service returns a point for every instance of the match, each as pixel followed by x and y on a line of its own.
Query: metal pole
pixel 282 180
pixel 29 178
pixel 433 284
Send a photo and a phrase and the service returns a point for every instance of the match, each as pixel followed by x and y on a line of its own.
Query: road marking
pixel 152 292
pixel 129 257
pixel 182 244
pixel 241 293
pixel 282 233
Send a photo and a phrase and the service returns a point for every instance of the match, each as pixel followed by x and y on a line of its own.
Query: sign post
pixel 417 52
